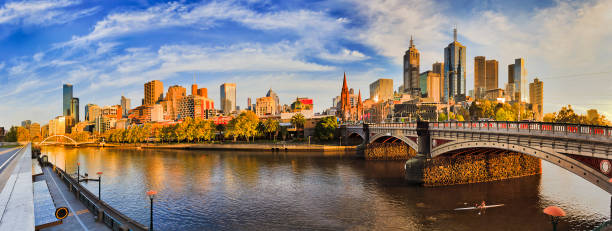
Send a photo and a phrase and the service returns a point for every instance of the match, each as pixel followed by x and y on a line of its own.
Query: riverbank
pixel 239 147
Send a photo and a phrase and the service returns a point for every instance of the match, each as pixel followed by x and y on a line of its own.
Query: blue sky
pixel 297 48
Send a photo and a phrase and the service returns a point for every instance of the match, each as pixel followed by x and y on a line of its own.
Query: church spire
pixel 344 85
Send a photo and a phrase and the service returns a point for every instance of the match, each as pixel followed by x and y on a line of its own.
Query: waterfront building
pixel 125 106
pixel 381 90
pixel 34 130
pixel 536 98
pixel 141 114
pixel 302 104
pixel 228 98
pixel 196 106
pixel 510 92
pixel 411 70
pixel 92 112
pixel 494 94
pixel 44 131
pixel 203 92
pixel 154 92
pixel 479 77
pixel 249 104
pixel 430 86
pixel 26 123
pixel 170 104
pixel 111 112
pixel 157 113
pixel 194 89
pixel 276 101
pixel 265 106
pixel 520 80
pixel 491 78
pixel 454 70
pixel 511 73
pixel 80 127
pixel 61 125
pixel 74 109
pixel 67 99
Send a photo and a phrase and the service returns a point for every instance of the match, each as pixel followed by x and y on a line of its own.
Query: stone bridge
pixel 581 149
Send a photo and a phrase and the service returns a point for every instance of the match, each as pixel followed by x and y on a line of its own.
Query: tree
pixel 503 115
pixel 244 125
pixel 442 117
pixel 271 126
pixel 298 120
pixel 460 118
pixel 325 129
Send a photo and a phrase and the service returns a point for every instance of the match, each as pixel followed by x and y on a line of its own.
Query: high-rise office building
pixel 511 73
pixel 154 91
pixel 249 107
pixel 411 70
pixel 265 106
pixel 276 101
pixel 454 70
pixel 430 86
pixel 195 106
pixel 26 123
pixel 536 98
pixel 491 78
pixel 381 90
pixel 194 89
pixel 67 99
pixel 228 98
pixel 203 92
pixel 74 110
pixel 479 77
pixel 520 80
pixel 92 112
pixel 171 102
pixel 34 130
pixel 125 106
pixel 438 68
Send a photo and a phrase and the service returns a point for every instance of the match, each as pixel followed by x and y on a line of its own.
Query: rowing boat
pixel 485 207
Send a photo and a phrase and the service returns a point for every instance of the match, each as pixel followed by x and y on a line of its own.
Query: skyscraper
pixel 454 70
pixel 276 101
pixel 381 90
pixel 67 99
pixel 228 98
pixel 479 76
pixel 520 80
pixel 411 70
pixel 173 97
pixel 154 91
pixel 92 112
pixel 125 106
pixel 511 73
pixel 438 68
pixel 536 98
pixel 491 78
pixel 74 110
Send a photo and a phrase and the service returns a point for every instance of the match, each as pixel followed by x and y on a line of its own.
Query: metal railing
pixel 512 127
pixel 110 216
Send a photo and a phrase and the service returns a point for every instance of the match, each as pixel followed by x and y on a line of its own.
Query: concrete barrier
pixel 17 196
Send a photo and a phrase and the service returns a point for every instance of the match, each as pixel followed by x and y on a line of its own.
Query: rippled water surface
pixel 229 190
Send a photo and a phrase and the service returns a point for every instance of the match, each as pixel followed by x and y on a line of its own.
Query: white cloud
pixel 41 12
pixel 345 55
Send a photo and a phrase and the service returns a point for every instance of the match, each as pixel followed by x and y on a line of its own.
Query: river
pixel 230 190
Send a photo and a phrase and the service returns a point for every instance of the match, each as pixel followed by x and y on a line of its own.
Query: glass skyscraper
pixel 454 70
pixel 67 99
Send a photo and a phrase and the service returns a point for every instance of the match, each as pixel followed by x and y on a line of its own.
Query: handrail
pixel 123 219
pixel 514 126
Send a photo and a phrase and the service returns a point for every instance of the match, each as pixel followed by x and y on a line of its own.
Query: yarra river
pixel 229 190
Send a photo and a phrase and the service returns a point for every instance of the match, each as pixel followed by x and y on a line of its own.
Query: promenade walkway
pixel 80 218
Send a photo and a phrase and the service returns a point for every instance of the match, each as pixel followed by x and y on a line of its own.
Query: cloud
pixel 41 12
pixel 345 55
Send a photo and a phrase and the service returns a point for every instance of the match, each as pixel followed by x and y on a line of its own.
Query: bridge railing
pixel 527 127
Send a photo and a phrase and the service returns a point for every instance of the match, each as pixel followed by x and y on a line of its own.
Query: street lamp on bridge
pixel 554 212
pixel 151 194
pixel 78 172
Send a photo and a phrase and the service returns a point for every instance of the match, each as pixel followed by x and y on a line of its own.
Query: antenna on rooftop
pixel 455 33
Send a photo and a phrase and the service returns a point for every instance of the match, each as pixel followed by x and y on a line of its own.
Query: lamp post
pixel 99 185
pixel 554 212
pixel 151 194
pixel 78 172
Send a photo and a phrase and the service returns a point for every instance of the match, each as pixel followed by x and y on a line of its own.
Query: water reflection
pixel 216 190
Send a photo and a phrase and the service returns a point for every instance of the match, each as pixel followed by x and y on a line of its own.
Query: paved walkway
pixel 80 218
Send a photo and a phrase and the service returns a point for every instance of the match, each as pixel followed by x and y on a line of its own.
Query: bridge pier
pixel 415 166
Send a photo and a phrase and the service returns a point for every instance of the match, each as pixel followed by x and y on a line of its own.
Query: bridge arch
pixel 404 139
pixel 548 154
pixel 355 138
pixel 73 141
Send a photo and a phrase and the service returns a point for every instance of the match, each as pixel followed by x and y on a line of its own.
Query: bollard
pixel 100 215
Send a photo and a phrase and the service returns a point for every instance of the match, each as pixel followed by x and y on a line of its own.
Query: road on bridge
pixel 6 154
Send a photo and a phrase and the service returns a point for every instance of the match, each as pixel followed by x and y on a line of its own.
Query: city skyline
pixel 103 54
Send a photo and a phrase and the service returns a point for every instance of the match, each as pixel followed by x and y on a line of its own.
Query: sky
pixel 297 48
